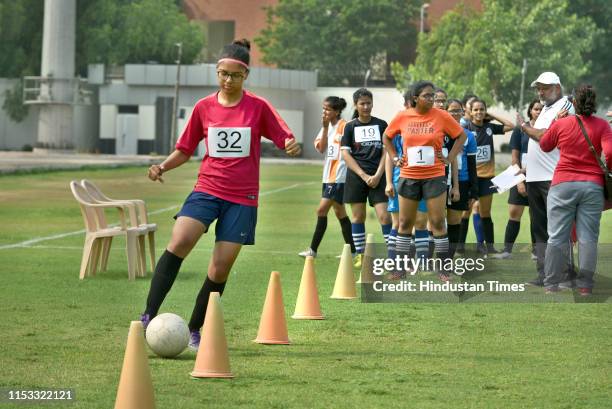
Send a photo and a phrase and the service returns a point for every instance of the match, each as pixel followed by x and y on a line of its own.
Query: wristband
pixel 162 169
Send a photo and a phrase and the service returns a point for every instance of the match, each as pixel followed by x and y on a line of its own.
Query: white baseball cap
pixel 547 78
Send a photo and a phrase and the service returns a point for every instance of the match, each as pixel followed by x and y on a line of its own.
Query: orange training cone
pixel 367 264
pixel 212 360
pixel 307 306
pixel 135 390
pixel 344 288
pixel 273 325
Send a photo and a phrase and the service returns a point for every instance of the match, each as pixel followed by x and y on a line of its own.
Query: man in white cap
pixel 540 165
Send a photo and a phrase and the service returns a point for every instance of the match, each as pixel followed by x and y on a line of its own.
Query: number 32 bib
pixel 229 142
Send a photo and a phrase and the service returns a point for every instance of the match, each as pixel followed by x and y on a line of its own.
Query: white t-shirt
pixel 540 165
pixel 335 167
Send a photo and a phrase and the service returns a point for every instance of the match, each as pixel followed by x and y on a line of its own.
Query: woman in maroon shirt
pixel 576 191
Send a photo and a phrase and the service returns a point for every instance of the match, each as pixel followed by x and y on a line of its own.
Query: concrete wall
pixel 290 104
pixel 301 109
pixel 16 135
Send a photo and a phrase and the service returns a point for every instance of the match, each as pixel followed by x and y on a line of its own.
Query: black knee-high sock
pixel 454 231
pixel 318 233
pixel 347 232
pixel 199 310
pixel 512 230
pixel 165 273
pixel 465 225
pixel 487 230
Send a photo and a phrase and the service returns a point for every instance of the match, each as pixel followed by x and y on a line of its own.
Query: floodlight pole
pixel 176 95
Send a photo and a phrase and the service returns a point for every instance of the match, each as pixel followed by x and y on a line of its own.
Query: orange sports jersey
pixel 335 168
pixel 422 139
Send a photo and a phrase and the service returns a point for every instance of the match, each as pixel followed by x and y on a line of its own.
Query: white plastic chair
pixel 138 217
pixel 98 234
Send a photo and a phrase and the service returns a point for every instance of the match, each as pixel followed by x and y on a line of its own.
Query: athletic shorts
pixel 333 191
pixel 485 187
pixel 417 189
pixel 357 191
pixel 235 222
pixel 515 198
pixel 464 197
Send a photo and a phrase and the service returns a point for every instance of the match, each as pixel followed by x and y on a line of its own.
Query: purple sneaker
pixel 145 319
pixel 194 340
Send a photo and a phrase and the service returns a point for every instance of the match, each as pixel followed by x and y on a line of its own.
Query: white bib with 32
pixel 367 134
pixel 421 156
pixel 229 142
pixel 484 154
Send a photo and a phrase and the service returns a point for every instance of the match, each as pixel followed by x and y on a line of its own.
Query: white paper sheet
pixel 508 179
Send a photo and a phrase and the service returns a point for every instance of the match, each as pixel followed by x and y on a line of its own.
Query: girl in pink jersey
pixel 327 142
pixel 230 123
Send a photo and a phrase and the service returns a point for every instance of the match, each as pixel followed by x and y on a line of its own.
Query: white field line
pixel 203 249
pixel 29 243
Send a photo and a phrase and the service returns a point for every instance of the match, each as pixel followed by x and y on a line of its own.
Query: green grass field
pixel 60 332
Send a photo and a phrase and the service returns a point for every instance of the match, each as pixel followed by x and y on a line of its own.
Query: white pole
pixel 173 136
pixel 523 73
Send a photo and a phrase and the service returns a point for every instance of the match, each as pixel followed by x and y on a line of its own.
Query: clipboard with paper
pixel 508 179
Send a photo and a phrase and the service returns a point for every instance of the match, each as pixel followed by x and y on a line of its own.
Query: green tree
pixel 484 52
pixel 21 37
pixel 339 38
pixel 135 31
pixel 112 32
pixel 600 11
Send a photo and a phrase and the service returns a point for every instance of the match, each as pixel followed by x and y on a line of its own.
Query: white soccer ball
pixel 167 335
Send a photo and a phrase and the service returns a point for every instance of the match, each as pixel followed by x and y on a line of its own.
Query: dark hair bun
pixel 342 104
pixel 244 43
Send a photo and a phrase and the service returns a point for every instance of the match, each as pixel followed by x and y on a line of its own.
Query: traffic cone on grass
pixel 135 390
pixel 273 325
pixel 212 360
pixel 367 264
pixel 307 306
pixel 344 288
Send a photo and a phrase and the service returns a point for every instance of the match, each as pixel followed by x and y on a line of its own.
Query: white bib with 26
pixel 484 154
pixel 229 142
pixel 367 134
pixel 421 156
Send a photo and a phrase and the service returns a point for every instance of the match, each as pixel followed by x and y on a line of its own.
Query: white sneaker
pixel 309 252
pixel 502 256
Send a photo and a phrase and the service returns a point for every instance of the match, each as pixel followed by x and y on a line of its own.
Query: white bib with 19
pixel 421 156
pixel 229 142
pixel 367 134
